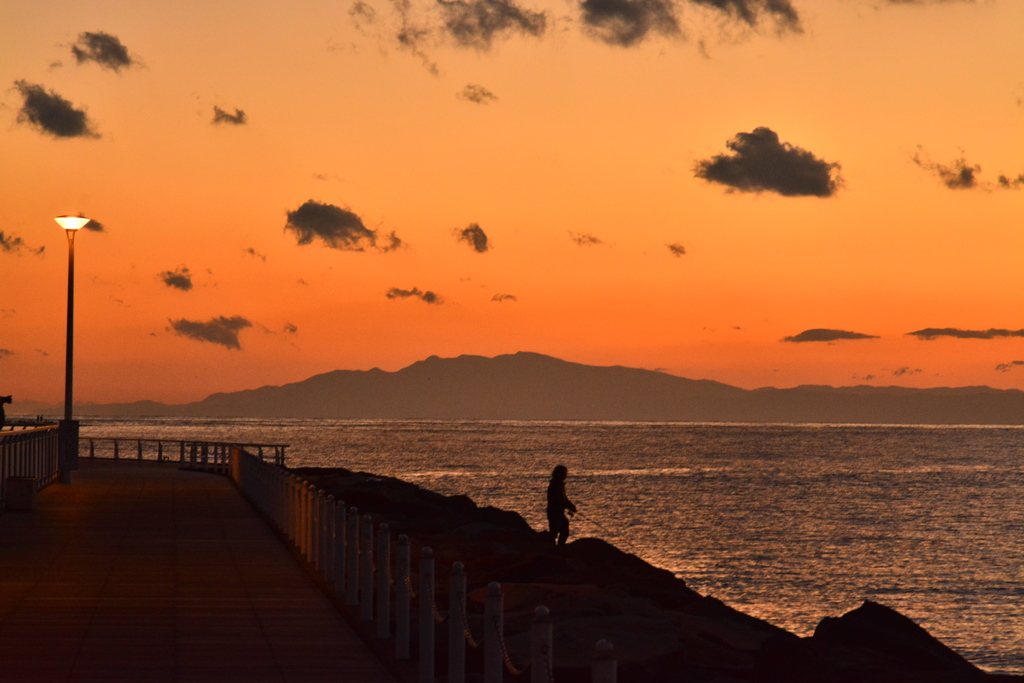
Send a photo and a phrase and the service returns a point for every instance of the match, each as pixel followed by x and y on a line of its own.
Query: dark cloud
pixel 476 23
pixel 625 23
pixel 104 49
pixel 179 278
pixel 583 239
pixel 824 335
pixel 676 249
pixel 1006 367
pixel 12 244
pixel 290 329
pixel 220 116
pixel 959 175
pixel 1008 183
pixel 362 15
pixel 474 236
pixel 412 36
pixel 220 330
pixel 427 296
pixel 931 333
pixel 252 252
pixel 499 298
pixel 760 162
pixel 51 113
pixel 336 227
pixel 5 353
pixel 390 242
pixel 477 94
pixel 906 370
pixel 751 11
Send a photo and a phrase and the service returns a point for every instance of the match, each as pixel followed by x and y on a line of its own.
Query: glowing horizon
pixel 759 197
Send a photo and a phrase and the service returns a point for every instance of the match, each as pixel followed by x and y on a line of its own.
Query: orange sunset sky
pixel 291 188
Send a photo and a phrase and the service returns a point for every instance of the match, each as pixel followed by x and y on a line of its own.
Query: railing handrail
pixel 25 430
pixel 211 442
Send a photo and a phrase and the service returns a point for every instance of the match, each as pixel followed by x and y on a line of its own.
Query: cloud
pixel 584 239
pixel 220 330
pixel 1007 183
pixel 104 49
pixel 477 23
pixel 676 249
pixel 499 298
pixel 625 23
pixel 6 353
pixel 477 94
pixel 1006 367
pixel 427 296
pixel 906 370
pixel 751 11
pixel 252 252
pixel 932 333
pixel 824 335
pixel 959 175
pixel 362 14
pixel 336 227
pixel 180 278
pixel 51 113
pixel 13 244
pixel 411 36
pixel 390 242
pixel 290 329
pixel 220 116
pixel 474 236
pixel 760 162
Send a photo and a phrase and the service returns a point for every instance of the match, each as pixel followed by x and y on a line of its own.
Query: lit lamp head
pixel 71 223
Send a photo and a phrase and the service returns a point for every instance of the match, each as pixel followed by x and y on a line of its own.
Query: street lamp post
pixel 68 447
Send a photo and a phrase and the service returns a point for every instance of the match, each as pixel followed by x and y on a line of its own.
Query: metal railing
pixel 29 453
pixel 194 454
pixel 352 554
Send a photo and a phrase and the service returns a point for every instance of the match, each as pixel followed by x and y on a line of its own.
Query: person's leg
pixel 562 530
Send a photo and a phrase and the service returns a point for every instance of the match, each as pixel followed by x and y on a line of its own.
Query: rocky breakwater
pixel 661 629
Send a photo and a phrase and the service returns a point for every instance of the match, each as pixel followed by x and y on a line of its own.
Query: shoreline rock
pixel 661 629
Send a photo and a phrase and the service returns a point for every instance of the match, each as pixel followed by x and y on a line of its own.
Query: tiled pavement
pixel 143 572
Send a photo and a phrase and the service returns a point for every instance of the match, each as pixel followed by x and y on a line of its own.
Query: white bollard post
pixel 383 557
pixel 310 521
pixel 457 624
pixel 366 569
pixel 327 515
pixel 541 662
pixel 293 509
pixel 402 562
pixel 605 667
pixel 426 616
pixel 311 502
pixel 352 562
pixel 494 608
pixel 318 536
pixel 340 547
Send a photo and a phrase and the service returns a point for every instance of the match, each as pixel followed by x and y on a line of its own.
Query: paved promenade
pixel 143 572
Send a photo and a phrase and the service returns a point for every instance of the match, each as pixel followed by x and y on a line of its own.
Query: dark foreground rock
pixel 662 630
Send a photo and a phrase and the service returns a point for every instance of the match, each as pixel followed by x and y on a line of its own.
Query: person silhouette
pixel 558 505
pixel 3 418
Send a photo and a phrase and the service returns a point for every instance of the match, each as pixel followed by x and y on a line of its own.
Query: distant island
pixel 532 386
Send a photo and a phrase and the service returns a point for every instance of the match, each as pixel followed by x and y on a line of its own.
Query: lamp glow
pixel 71 222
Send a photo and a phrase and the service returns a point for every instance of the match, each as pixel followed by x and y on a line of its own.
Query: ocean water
pixel 790 523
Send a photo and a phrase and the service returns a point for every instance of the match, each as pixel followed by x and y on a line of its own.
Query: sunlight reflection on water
pixel 790 523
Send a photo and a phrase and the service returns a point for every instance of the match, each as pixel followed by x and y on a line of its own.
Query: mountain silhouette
pixel 532 386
